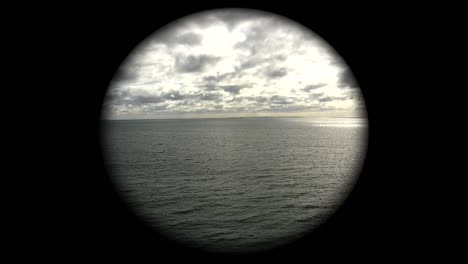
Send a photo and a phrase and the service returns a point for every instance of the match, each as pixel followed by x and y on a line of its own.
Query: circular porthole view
pixel 234 130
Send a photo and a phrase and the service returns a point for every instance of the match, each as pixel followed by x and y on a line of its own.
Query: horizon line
pixel 232 117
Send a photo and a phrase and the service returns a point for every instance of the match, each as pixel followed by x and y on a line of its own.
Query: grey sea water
pixel 234 184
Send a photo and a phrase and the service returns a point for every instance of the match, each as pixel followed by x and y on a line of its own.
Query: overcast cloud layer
pixel 233 63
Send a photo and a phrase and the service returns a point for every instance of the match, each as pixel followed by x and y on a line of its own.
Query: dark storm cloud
pixel 308 88
pixel 346 79
pixel 192 63
pixel 276 73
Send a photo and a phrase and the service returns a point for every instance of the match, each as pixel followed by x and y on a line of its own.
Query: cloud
pixel 315 96
pixel 291 108
pixel 346 79
pixel 171 38
pixel 260 42
pixel 308 88
pixel 256 99
pixel 124 98
pixel 219 77
pixel 219 107
pixel 156 108
pixel 276 73
pixel 173 96
pixel 134 100
pixel 251 63
pixel 188 39
pixel 332 98
pixel 277 99
pixel 255 40
pixel 212 79
pixel 231 61
pixel 280 57
pixel 233 17
pixel 246 63
pixel 125 75
pixel 353 94
pixel 261 99
pixel 193 63
pixel 326 99
pixel 233 89
pixel 209 87
pixel 211 97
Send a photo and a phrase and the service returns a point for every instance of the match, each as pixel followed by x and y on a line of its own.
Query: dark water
pixel 234 184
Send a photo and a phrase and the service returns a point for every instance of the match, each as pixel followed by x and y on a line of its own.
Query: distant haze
pixel 233 63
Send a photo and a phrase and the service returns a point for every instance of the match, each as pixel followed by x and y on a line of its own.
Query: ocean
pixel 234 184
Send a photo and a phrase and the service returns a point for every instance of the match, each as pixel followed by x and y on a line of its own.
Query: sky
pixel 233 63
